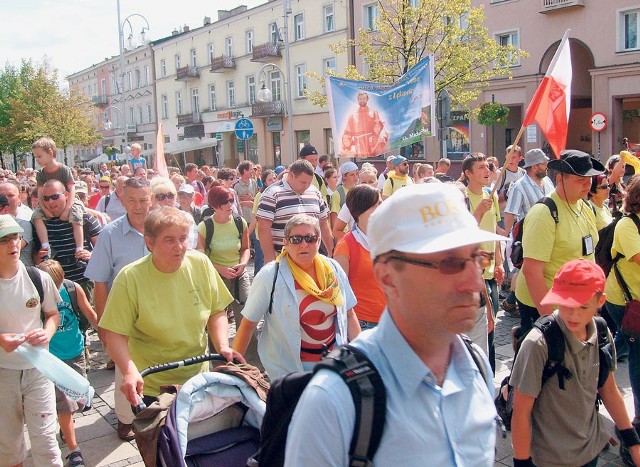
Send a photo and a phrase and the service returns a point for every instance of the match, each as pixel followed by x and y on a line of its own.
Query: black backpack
pixel 209 227
pixel 605 242
pixel 517 231
pixel 555 341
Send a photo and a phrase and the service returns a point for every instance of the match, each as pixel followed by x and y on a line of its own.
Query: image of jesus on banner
pixel 364 134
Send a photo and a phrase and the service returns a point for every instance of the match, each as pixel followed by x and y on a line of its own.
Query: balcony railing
pixel 551 5
pixel 189 119
pixel 187 73
pixel 266 52
pixel 267 109
pixel 222 64
pixel 99 100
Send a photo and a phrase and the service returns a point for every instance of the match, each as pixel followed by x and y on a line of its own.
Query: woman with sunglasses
pixel 163 193
pixel 310 305
pixel 597 196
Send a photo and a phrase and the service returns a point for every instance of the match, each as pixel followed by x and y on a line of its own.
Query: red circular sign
pixel 598 122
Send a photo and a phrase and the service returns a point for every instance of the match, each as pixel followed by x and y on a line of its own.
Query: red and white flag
pixel 551 103
pixel 160 163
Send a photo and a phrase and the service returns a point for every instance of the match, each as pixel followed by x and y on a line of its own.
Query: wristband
pixel 523 462
pixel 629 437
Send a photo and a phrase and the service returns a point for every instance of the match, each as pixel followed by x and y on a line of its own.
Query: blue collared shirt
pixel 452 425
pixel 118 245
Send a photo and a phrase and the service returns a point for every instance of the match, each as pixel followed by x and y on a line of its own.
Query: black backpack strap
pixel 553 208
pixel 477 359
pixel 605 350
pixel 34 275
pixel 107 198
pixel 369 397
pixel 273 287
pixel 73 295
pixel 239 225
pixel 208 228
pixel 555 346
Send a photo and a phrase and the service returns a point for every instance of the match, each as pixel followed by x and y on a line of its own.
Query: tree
pixel 465 56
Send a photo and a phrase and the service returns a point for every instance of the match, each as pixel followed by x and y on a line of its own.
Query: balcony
pixel 267 109
pixel 552 5
pixel 222 64
pixel 189 119
pixel 266 52
pixel 99 100
pixel 187 73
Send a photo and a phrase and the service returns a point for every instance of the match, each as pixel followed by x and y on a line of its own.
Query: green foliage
pixel 491 113
pixel 465 56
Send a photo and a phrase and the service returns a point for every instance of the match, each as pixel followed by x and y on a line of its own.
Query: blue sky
pixel 75 34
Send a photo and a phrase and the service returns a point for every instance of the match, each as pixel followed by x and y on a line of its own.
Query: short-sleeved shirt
pixel 566 427
pixel 135 163
pixel 165 322
pixel 62 174
pixel 488 222
pixel 242 189
pixel 393 183
pixel 626 240
pixel 524 193
pixel 603 215
pixel 555 244
pixel 68 341
pixel 225 242
pixel 279 203
pixel 338 200
pixel 114 208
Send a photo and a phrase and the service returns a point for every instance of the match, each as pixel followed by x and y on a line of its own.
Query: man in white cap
pixel 385 173
pixel 27 396
pixel 348 172
pixel 439 409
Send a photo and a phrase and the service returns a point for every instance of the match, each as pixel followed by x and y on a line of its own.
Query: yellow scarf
pixel 328 289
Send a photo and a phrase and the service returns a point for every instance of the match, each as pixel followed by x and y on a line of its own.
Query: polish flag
pixel 551 103
pixel 160 163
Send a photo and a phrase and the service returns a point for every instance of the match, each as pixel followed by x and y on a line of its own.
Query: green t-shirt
pixel 165 314
pixel 488 223
pixel 225 243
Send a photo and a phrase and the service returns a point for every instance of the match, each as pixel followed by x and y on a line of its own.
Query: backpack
pixel 342 194
pixel 517 232
pixel 555 341
pixel 70 286
pixel 210 226
pixel 605 242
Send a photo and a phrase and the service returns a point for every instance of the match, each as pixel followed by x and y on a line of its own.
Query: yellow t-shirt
pixel 394 182
pixel 165 314
pixel 626 240
pixel 603 215
pixel 488 223
pixel 552 243
pixel 335 199
pixel 256 203
pixel 225 243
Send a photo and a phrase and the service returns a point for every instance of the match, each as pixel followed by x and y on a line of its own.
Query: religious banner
pixel 370 119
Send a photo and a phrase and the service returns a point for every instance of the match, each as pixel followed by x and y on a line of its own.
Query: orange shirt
pixel 371 298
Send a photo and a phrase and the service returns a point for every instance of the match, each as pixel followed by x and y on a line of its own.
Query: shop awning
pixel 186 145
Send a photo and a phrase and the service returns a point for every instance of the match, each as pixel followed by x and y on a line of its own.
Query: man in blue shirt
pixel 439 409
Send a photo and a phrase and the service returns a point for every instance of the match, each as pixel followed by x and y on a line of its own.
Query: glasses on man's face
pixel 104 187
pixel 297 239
pixel 10 238
pixel 448 266
pixel 51 197
pixel 163 196
pixel 604 187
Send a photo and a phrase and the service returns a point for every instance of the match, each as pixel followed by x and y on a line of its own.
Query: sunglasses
pixel 604 187
pixel 52 197
pixel 449 266
pixel 163 196
pixel 104 187
pixel 297 239
pixel 229 201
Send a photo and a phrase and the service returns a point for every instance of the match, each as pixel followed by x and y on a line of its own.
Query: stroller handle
pixel 185 362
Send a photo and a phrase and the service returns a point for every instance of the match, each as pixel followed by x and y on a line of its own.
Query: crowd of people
pixel 398 263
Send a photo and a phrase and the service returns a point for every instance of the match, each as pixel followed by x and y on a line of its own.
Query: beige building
pixel 605 55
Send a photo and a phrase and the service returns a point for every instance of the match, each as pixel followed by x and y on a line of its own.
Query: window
pixel 140 114
pixel 212 97
pixel 328 64
pixel 132 115
pixel 248 39
pixel 149 113
pixel 329 24
pixel 628 28
pixel 103 89
pixel 301 80
pixel 210 53
pixel 147 77
pixel 231 94
pixel 276 88
pixel 508 38
pixel 298 26
pixel 177 60
pixel 228 46
pixel 163 68
pixel 251 89
pixel 193 61
pixel 164 105
pixel 129 81
pixel 195 101
pixel 273 33
pixel 179 103
pixel 138 76
pixel 464 21
pixel 370 15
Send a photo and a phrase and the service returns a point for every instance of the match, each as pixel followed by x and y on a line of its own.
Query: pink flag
pixel 551 103
pixel 160 163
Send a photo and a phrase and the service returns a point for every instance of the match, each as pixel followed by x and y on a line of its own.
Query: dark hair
pixel 323 158
pixel 361 198
pixel 244 166
pixel 189 167
pixel 217 196
pixel 596 180
pixel 468 162
pixel 226 174
pixel 206 180
pixel 301 166
pixel 632 198
pixel 264 175
pixel 328 173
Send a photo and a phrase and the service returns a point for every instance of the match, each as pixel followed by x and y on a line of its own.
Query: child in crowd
pixel 68 345
pixel 44 150
pixel 561 426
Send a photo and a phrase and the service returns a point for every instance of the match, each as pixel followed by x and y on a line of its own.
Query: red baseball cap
pixel 575 283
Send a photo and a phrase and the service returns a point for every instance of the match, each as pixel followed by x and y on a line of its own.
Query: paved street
pixel 96 428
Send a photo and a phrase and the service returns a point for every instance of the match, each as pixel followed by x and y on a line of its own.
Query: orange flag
pixel 551 103
pixel 160 163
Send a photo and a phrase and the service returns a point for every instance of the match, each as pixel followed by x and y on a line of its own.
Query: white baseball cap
pixel 9 226
pixel 424 218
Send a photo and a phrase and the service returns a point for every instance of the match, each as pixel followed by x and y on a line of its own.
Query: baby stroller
pixel 214 419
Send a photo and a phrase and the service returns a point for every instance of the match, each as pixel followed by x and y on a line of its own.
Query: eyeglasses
pixel 449 266
pixel 297 239
pixel 10 238
pixel 163 196
pixel 604 187
pixel 229 201
pixel 104 187
pixel 52 197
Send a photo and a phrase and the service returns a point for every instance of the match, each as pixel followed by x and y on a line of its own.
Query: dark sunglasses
pixel 229 201
pixel 604 187
pixel 449 266
pixel 104 187
pixel 52 197
pixel 163 196
pixel 297 239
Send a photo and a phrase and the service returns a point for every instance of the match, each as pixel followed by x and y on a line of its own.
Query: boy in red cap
pixel 561 426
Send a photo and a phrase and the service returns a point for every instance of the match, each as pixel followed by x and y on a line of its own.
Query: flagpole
pixel 507 160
